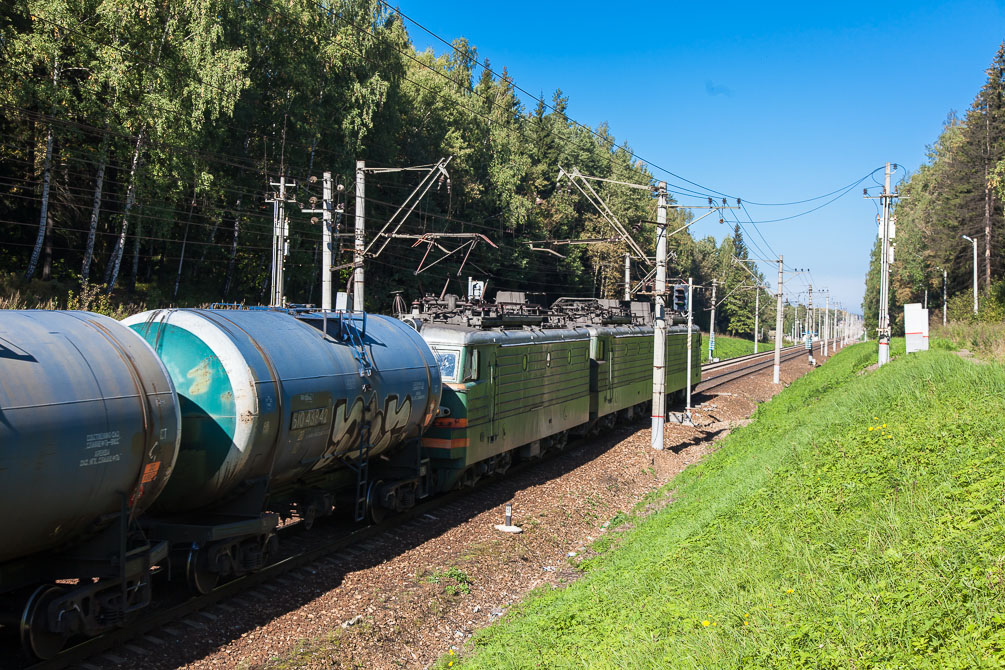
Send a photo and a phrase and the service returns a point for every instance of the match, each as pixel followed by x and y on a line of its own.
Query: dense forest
pixel 140 141
pixel 959 191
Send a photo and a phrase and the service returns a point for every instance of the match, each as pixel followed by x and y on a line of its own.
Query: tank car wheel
pixel 200 578
pixel 35 636
pixel 270 547
pixel 374 510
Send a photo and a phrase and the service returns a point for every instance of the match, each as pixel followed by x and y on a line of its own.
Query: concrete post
pixel 779 324
pixel 326 242
pixel 660 323
pixel 360 231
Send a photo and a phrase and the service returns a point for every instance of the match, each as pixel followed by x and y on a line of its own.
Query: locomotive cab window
pixel 472 366
pixel 447 358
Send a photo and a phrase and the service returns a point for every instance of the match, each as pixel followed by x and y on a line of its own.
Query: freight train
pixel 175 442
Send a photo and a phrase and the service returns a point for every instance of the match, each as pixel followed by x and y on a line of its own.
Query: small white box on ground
pixel 916 327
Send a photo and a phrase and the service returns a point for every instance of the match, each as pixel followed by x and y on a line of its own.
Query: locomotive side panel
pixel 503 390
pixel 622 359
pixel 542 389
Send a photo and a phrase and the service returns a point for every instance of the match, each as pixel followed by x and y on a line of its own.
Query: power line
pixel 843 193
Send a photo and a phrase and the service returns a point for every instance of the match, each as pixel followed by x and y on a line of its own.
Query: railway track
pixel 302 549
pixel 716 374
pixel 314 549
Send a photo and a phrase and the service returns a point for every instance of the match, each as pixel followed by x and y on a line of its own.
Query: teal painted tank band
pixel 208 410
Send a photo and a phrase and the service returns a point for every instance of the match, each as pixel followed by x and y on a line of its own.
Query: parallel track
pixel 716 374
pixel 713 375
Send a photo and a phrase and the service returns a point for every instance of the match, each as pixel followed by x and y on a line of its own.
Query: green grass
pixel 985 339
pixel 455 581
pixel 807 540
pixel 731 347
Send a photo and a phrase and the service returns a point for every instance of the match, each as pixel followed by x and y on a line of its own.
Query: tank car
pixel 89 432
pixel 285 414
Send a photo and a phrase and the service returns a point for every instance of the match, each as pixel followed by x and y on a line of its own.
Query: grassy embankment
pixel 986 340
pixel 731 347
pixel 856 523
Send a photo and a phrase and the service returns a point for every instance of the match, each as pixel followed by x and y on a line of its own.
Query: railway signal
pixel 680 301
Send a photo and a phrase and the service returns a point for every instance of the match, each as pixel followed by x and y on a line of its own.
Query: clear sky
pixel 767 102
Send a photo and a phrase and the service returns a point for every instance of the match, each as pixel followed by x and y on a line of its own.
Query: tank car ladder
pixel 354 338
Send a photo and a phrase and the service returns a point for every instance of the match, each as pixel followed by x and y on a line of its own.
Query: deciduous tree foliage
pixel 160 125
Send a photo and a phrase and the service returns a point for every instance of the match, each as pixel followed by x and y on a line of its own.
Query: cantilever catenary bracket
pixel 432 240
pixel 579 180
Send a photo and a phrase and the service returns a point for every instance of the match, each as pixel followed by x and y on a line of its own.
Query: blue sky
pixel 771 103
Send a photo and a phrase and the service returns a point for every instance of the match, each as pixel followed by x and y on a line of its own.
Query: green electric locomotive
pixel 519 381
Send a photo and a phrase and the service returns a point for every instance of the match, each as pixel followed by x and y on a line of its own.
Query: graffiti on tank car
pixel 345 430
pixel 387 426
pixel 391 423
